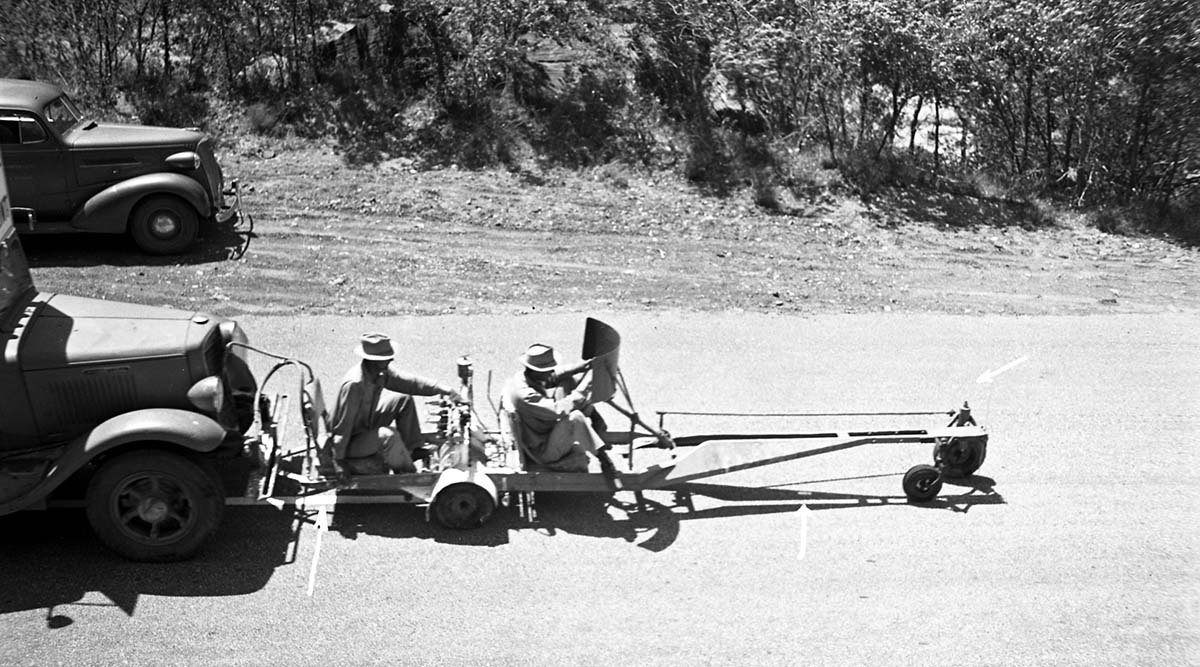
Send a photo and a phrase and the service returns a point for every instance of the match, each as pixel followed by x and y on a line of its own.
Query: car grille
pixel 212 172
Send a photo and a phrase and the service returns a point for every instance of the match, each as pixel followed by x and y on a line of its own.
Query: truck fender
pixel 189 430
pixel 109 209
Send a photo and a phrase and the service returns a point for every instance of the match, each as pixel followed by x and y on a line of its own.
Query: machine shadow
pixel 652 520
pixel 958 495
pixel 52 561
pixel 570 512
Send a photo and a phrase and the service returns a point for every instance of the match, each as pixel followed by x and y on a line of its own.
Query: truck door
pixel 34 158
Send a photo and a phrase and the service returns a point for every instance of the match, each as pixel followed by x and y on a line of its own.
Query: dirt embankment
pixel 390 239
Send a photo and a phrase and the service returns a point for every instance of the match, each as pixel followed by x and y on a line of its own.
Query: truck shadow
pixel 651 521
pixel 52 561
pixel 217 244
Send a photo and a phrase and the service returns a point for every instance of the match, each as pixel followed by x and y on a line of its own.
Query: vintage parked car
pixel 133 405
pixel 68 173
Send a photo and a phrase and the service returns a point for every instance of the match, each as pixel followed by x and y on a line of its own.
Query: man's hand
pixel 453 395
pixel 569 371
pixel 340 471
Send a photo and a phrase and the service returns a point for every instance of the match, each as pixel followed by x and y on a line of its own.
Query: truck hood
pixel 70 330
pixel 102 135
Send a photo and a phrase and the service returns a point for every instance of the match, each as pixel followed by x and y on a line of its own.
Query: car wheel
pixel 154 505
pixel 164 225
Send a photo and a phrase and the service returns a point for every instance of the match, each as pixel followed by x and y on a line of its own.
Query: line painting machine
pixel 475 469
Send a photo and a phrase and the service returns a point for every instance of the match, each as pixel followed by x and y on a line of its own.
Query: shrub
pixel 174 102
pixel 260 118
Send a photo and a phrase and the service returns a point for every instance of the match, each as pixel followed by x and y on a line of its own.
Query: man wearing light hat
pixel 552 424
pixel 374 427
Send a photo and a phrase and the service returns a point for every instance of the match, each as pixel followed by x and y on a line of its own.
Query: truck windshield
pixel 14 274
pixel 62 114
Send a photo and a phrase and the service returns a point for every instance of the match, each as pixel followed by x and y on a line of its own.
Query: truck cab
pixel 134 404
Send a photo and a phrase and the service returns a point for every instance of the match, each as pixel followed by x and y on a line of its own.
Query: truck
pixel 129 407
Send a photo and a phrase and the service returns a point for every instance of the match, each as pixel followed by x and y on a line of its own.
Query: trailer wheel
pixel 960 457
pixel 462 505
pixel 922 483
pixel 154 505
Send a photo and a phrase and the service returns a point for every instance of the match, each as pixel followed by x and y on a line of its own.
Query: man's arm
pixel 563 375
pixel 415 385
pixel 341 422
pixel 536 408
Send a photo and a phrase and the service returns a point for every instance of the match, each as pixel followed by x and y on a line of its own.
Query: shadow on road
pixel 218 243
pixel 958 495
pixel 51 561
pixel 575 513
pixel 653 523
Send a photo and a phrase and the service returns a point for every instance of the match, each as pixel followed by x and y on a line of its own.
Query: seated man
pixel 374 427
pixel 553 423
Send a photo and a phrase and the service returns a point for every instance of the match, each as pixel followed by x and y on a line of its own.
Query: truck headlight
pixel 208 395
pixel 232 333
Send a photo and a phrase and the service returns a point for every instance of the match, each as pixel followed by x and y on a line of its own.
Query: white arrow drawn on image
pixel 322 526
pixel 987 377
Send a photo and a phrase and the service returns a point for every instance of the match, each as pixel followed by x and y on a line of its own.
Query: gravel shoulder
pixel 389 239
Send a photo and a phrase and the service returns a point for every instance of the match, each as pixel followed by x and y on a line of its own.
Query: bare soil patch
pixel 392 239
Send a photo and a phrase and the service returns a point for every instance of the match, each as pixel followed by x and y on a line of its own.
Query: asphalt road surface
pixel 1075 544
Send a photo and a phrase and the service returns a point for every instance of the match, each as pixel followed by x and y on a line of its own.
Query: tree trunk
pixel 166 41
pixel 1048 131
pixel 1026 120
pixel 915 125
pixel 937 134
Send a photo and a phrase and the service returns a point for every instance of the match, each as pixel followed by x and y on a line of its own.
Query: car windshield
pixel 62 114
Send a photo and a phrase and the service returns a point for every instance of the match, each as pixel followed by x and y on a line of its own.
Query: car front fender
pixel 109 209
pixel 189 430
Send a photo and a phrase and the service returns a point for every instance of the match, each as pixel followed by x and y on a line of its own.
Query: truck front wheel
pixel 164 225
pixel 154 505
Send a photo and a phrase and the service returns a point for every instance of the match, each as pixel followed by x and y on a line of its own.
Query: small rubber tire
pixel 154 506
pixel 462 506
pixel 164 225
pixel 960 457
pixel 922 483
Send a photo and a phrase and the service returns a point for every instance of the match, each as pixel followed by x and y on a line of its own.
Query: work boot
pixel 607 469
pixel 422 453
pixel 598 423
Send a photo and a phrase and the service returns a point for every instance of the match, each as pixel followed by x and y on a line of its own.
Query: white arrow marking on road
pixel 991 375
pixel 804 512
pixel 322 525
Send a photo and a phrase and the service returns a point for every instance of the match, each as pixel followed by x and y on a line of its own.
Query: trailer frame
pixel 465 493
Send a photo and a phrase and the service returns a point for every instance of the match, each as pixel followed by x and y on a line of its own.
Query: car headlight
pixel 184 160
pixel 208 395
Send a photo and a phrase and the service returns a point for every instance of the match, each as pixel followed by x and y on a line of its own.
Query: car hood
pixel 69 330
pixel 101 135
